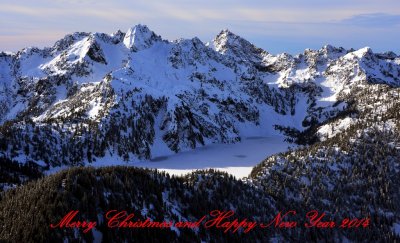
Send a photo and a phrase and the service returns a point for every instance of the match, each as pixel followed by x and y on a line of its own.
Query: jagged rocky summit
pixel 136 96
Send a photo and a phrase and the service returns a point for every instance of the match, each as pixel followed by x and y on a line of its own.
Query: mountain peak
pixel 366 51
pixel 332 49
pixel 140 37
pixel 226 38
pixel 226 42
pixel 227 32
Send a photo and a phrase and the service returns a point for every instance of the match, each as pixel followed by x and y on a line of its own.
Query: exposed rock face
pixel 134 95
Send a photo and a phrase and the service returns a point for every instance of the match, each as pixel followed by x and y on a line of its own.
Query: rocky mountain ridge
pixel 138 96
pixel 134 96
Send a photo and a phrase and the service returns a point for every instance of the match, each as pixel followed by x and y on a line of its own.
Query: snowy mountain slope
pixel 98 99
pixel 137 96
pixel 353 171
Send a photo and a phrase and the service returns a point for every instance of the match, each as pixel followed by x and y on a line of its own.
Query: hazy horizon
pixel 287 26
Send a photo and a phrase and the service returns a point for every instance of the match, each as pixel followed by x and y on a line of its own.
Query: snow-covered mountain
pixel 137 96
pixel 134 96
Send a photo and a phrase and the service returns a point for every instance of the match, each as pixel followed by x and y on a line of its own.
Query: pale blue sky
pixel 277 26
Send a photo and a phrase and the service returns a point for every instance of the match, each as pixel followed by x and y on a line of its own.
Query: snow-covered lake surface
pixel 237 159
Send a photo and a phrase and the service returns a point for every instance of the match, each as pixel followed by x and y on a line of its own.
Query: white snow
pixel 361 52
pixel 330 130
pixel 236 159
pixel 161 68
pixel 138 37
pixel 96 106
pixel 14 111
pixel 97 235
pixel 396 228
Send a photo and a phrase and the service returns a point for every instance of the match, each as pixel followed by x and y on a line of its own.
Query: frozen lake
pixel 236 159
